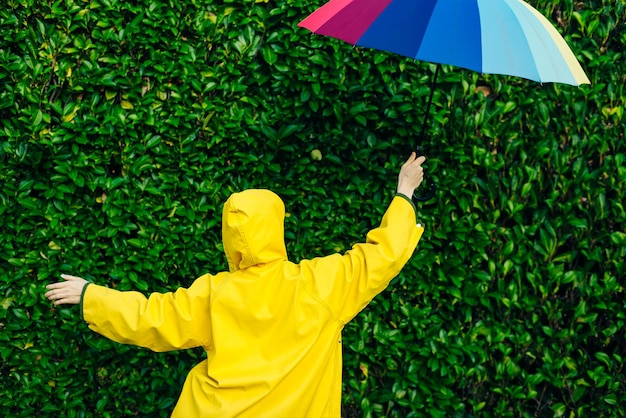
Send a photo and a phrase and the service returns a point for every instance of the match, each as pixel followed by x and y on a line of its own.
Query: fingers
pixel 63 301
pixel 411 159
pixel 60 285
pixel 67 292
pixel 54 296
pixel 70 300
pixel 70 277
pixel 55 291
pixel 60 296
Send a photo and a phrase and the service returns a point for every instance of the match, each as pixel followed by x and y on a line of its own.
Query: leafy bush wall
pixel 125 125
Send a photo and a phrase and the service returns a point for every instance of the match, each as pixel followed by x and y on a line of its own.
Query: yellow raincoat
pixel 271 328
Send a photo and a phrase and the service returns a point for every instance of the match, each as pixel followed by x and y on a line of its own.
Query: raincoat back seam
pixel 220 287
pixel 320 300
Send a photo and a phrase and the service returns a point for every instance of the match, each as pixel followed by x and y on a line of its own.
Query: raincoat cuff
pixel 408 199
pixel 82 297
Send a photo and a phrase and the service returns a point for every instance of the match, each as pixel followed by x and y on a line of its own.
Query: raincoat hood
pixel 253 229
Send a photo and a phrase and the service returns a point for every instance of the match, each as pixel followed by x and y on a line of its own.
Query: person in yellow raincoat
pixel 271 328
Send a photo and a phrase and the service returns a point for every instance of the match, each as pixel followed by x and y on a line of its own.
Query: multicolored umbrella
pixel 506 37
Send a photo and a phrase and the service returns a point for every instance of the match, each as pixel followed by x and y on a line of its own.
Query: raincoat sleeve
pixel 161 322
pixel 347 283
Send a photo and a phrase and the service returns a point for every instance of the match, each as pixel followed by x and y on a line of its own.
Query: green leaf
pixel 269 55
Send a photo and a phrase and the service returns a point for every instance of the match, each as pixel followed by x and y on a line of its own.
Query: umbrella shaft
pixel 430 101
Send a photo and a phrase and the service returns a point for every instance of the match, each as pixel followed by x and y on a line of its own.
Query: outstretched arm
pixel 161 322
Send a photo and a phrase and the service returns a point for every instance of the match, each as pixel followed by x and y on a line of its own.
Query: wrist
pixel 405 190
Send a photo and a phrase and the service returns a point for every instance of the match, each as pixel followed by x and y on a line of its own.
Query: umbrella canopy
pixel 489 36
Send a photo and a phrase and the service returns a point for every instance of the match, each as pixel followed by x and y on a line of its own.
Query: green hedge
pixel 125 125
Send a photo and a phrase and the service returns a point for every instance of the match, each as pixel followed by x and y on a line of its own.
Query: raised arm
pixel 347 283
pixel 161 322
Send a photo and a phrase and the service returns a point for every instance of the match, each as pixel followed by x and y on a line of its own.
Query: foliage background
pixel 125 125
